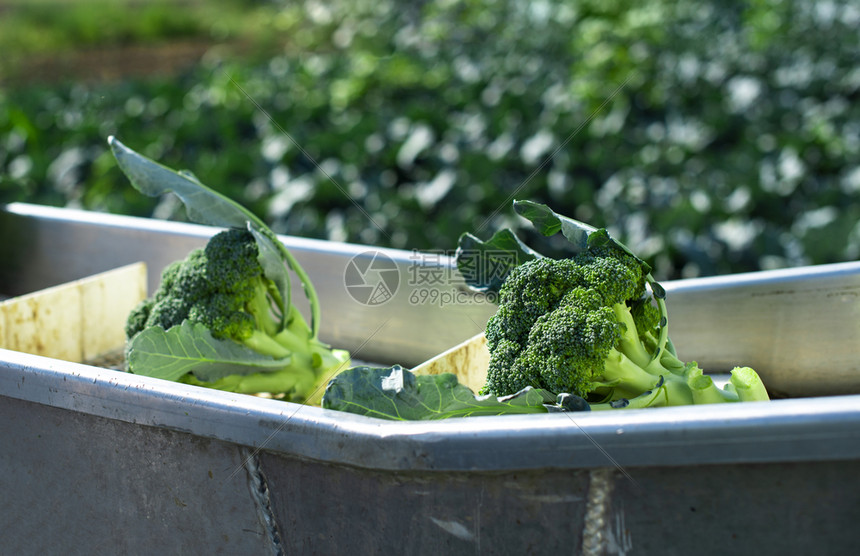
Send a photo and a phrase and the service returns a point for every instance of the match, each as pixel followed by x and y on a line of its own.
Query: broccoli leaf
pixel 579 234
pixel 549 222
pixel 485 264
pixel 398 394
pixel 204 205
pixel 191 348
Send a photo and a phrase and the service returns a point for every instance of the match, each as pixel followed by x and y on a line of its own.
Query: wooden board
pixel 76 321
pixel 468 360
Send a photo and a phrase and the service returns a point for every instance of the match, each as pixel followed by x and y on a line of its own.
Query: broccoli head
pixel 224 287
pixel 590 325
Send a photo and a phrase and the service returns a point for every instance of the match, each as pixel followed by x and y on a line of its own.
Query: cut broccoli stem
pixel 704 390
pixel 330 362
pixel 670 348
pixel 670 362
pixel 261 309
pixel 275 297
pixel 669 390
pixel 665 362
pixel 655 397
pixel 267 345
pixel 630 376
pixel 297 345
pixel 676 391
pixel 748 385
pixel 306 351
pixel 296 324
pixel 291 380
pixel 630 344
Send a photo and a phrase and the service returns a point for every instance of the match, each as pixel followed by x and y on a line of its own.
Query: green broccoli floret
pixel 224 287
pixel 594 326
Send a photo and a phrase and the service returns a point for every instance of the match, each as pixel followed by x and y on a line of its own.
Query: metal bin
pixel 95 461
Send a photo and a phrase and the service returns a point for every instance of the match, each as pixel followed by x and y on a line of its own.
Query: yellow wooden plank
pixel 468 360
pixel 106 300
pixel 46 323
pixel 75 321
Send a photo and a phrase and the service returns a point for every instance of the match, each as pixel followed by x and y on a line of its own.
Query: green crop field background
pixel 711 137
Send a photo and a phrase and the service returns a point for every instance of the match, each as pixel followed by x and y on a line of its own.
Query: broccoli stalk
pixel 630 342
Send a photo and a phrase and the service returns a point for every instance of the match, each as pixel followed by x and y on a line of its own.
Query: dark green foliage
pixel 719 148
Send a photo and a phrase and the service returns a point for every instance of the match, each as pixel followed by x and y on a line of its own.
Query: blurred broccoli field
pixel 711 137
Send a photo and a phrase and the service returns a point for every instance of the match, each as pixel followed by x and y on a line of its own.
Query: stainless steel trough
pixel 95 461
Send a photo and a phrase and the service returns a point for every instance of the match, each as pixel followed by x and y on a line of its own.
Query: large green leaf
pixel 191 348
pixel 579 234
pixel 398 394
pixel 204 205
pixel 549 222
